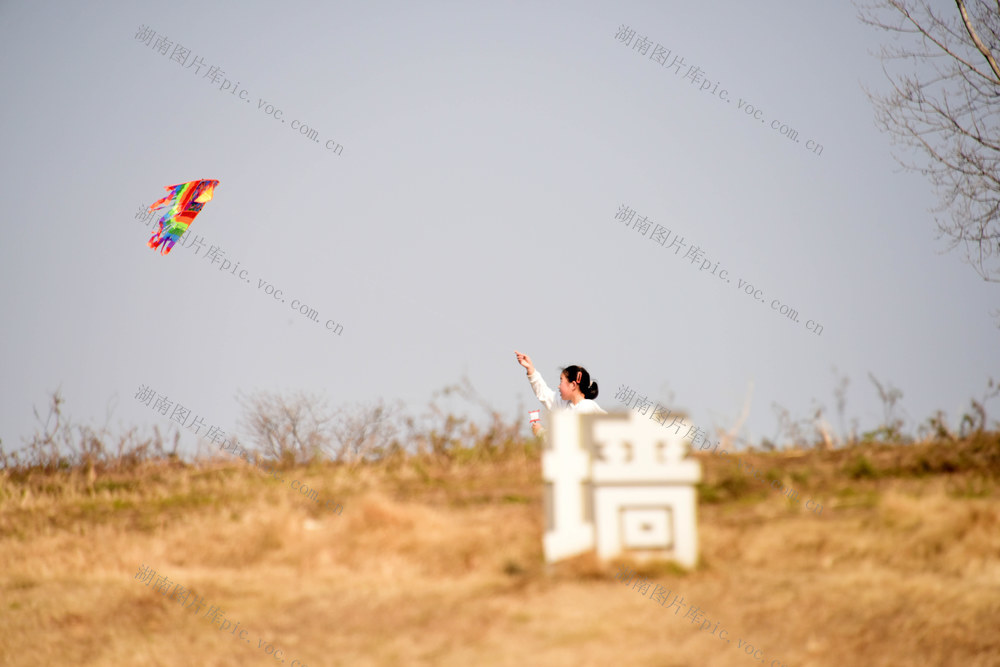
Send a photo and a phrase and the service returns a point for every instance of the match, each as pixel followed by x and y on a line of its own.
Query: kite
pixel 185 201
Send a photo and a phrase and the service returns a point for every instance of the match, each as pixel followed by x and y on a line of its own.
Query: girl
pixel 575 389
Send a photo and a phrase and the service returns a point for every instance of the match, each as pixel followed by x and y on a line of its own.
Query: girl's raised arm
pixel 525 361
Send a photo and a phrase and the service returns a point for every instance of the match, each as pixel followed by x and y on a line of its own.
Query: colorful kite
pixel 185 202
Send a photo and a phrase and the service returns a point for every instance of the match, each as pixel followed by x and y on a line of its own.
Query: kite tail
pixel 163 244
pixel 163 237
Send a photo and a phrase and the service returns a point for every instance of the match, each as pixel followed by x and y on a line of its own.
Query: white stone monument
pixel 619 483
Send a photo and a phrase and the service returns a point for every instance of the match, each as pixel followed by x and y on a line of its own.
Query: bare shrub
pixel 365 432
pixel 293 429
pixel 58 444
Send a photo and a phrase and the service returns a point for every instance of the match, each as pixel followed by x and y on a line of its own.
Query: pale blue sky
pixel 486 150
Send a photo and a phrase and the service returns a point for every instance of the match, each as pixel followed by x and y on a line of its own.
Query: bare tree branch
pixel 949 109
pixel 975 39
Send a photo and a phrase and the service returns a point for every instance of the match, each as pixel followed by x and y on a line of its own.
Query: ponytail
pixel 580 375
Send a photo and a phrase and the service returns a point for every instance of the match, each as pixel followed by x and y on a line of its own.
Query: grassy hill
pixel 436 560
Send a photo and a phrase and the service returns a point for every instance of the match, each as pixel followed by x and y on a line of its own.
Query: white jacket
pixel 549 397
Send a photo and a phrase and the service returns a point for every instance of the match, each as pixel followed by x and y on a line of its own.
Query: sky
pixel 462 190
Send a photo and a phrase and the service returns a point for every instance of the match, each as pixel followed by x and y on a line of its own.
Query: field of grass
pixel 437 561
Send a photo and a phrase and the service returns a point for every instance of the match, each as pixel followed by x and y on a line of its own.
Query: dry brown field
pixel 438 561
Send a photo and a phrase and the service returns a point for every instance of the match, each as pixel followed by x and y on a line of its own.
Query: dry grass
pixel 434 562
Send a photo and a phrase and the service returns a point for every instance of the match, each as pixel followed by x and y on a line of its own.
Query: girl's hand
pixel 525 361
pixel 536 428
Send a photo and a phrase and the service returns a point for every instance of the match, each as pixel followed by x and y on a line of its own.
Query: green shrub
pixel 861 468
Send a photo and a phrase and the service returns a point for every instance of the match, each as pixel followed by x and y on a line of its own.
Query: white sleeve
pixel 589 406
pixel 542 391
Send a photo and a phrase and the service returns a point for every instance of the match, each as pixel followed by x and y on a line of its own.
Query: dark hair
pixel 587 388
